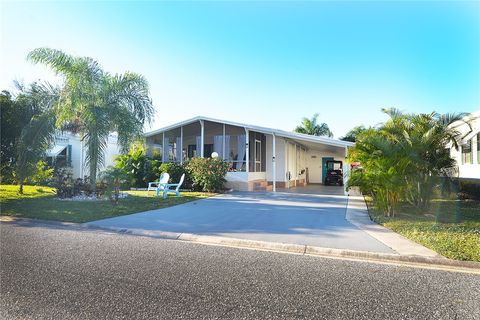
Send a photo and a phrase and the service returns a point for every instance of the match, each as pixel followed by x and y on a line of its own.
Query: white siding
pixel 314 163
pixel 280 158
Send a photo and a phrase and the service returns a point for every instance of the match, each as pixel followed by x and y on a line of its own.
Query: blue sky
pixel 265 63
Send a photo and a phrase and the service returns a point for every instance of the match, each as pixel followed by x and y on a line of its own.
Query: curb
pixel 410 260
pixel 442 262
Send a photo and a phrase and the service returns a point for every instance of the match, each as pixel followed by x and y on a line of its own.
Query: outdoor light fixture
pixel 214 155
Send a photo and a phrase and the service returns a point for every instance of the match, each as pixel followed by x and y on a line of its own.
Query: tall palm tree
pixel 310 126
pixel 38 133
pixel 98 103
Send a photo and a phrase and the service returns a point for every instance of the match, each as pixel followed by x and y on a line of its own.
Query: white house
pixel 468 155
pixel 69 151
pixel 260 158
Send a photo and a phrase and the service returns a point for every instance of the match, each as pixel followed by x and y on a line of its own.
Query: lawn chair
pixel 158 185
pixel 167 187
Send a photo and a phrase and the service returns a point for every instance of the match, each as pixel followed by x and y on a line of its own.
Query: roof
pixel 276 132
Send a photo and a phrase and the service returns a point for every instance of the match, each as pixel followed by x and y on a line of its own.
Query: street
pixel 66 272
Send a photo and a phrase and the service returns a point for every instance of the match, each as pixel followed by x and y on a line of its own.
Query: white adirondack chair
pixel 158 185
pixel 169 187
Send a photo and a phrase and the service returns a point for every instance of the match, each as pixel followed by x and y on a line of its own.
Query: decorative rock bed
pixel 84 197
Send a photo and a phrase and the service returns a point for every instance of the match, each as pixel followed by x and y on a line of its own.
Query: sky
pixel 264 63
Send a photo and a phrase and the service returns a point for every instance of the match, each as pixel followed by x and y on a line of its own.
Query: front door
pixel 324 167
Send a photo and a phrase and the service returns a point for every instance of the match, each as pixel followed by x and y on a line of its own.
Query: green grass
pixel 450 227
pixel 41 203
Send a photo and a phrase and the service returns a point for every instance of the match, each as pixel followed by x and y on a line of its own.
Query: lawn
pixel 450 227
pixel 41 203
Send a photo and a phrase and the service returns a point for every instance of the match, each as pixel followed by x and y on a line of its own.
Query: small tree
pixel 113 178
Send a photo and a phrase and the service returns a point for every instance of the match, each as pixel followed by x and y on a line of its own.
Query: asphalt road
pixel 50 272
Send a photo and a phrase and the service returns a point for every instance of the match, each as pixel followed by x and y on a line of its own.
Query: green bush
pixel 469 189
pixel 140 169
pixel 43 174
pixel 208 174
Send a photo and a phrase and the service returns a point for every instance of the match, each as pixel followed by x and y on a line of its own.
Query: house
pixel 259 158
pixel 69 152
pixel 468 154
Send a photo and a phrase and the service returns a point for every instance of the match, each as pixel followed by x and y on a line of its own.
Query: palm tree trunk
pixel 93 176
pixel 20 189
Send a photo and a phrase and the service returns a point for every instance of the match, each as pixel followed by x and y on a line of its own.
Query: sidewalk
pixel 357 214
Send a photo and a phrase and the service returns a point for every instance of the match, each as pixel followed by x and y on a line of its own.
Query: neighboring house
pixel 468 155
pixel 69 151
pixel 260 158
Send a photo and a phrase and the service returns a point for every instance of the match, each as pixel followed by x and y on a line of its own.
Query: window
pixel 467 153
pixel 478 148
pixel 258 155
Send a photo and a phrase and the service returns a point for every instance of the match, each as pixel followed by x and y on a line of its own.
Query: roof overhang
pixel 276 132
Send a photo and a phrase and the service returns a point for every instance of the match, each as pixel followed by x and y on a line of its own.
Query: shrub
pixel 208 174
pixel 43 174
pixel 175 171
pixel 68 187
pixel 138 167
pixel 469 189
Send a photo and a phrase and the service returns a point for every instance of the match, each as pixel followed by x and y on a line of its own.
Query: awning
pixel 55 151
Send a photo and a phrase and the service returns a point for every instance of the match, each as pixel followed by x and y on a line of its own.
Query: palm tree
pixel 97 103
pixel 38 133
pixel 405 158
pixel 310 126
pixel 353 133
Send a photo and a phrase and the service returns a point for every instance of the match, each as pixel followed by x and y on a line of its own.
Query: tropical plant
pixel 208 174
pixel 139 168
pixel 353 134
pixel 97 103
pixel 312 127
pixel 39 131
pixel 43 174
pixel 113 178
pixel 405 158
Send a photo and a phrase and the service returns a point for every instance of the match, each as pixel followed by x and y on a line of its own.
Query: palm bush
pixel 405 158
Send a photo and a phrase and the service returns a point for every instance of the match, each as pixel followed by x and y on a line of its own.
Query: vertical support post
pixel 247 152
pixel 202 137
pixel 223 143
pixel 346 168
pixel 163 148
pixel 181 145
pixel 274 165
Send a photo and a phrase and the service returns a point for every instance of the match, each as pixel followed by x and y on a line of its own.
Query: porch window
pixel 467 153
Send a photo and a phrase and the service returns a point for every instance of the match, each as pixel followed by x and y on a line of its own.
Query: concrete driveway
pixel 282 217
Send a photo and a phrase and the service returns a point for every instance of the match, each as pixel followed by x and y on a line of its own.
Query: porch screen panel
pixel 241 143
pixel 178 149
pixel 218 145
